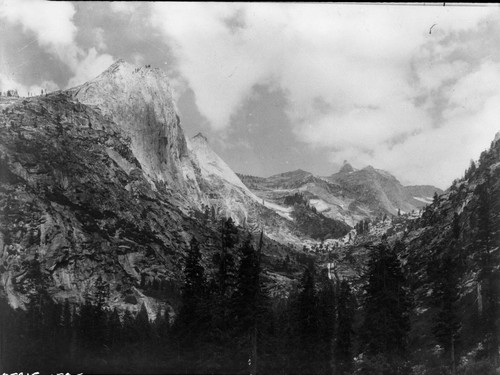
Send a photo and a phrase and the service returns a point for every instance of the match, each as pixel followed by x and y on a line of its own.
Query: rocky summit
pixel 127 247
pixel 350 195
pixel 100 181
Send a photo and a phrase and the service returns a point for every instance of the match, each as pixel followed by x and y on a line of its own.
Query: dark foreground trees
pixel 386 309
pixel 229 320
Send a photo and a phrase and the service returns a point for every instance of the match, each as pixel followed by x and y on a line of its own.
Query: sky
pixel 410 89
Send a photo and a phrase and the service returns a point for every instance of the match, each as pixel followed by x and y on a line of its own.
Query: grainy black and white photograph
pixel 249 188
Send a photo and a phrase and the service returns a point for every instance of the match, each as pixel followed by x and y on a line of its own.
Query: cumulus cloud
pixel 125 8
pixel 366 82
pixel 8 83
pixel 50 22
pixel 90 67
pixel 53 26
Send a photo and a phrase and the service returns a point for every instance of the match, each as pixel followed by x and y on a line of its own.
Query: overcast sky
pixel 414 90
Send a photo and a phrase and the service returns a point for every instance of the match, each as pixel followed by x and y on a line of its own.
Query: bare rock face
pixel 139 101
pixel 74 196
pixel 100 183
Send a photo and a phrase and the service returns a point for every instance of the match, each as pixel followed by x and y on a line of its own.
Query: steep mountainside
pixel 451 256
pixel 100 181
pixel 140 101
pixel 380 191
pixel 459 236
pixel 74 196
pixel 350 195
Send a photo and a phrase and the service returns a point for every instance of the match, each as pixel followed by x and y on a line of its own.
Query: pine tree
pixel 142 328
pixel 326 312
pixel 41 315
pixel 446 324
pixel 193 294
pixel 250 304
pixel 113 329
pixel 488 276
pixel 343 344
pixel 386 306
pixel 247 289
pixel 225 259
pixel 307 327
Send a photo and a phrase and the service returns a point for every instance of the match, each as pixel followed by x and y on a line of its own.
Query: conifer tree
pixel 343 355
pixel 307 328
pixel 247 288
pixel 488 277
pixel 193 293
pixel 326 316
pixel 386 306
pixel 225 259
pixel 446 323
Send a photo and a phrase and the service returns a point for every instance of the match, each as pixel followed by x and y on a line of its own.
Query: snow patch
pixel 319 204
pixel 212 165
pixel 426 200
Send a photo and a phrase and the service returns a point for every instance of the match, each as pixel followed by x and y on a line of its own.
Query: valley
pixel 141 244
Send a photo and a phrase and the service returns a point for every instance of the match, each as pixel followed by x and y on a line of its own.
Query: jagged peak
pixel 125 70
pixel 296 172
pixel 117 65
pixel 346 167
pixel 497 137
pixel 201 137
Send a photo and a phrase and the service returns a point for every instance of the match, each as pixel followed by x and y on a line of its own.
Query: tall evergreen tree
pixel 343 355
pixel 189 320
pixel 247 288
pixel 326 312
pixel 386 307
pixel 225 259
pixel 307 327
pixel 446 323
pixel 488 277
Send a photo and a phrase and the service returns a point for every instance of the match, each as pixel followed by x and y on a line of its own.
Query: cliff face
pixel 456 243
pixel 139 101
pixel 73 194
pixel 349 196
pixel 100 181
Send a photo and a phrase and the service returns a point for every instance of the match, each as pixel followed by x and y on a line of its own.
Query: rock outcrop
pixel 139 101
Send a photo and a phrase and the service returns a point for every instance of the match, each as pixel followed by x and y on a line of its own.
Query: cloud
pixel 90 67
pixel 54 29
pixel 365 82
pixel 100 39
pixel 7 83
pixel 50 22
pixel 125 8
pixel 221 62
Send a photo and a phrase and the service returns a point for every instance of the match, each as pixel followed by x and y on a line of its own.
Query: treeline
pixel 229 323
pixel 313 223
pixel 462 270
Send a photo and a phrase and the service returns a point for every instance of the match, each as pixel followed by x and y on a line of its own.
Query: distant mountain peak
pixel 139 100
pixel 117 65
pixel 346 167
pixel 497 137
pixel 295 173
pixel 201 137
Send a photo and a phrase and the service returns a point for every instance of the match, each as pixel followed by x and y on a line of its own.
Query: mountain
pixel 451 258
pixel 99 181
pixel 101 199
pixel 457 239
pixel 349 195
pixel 139 103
